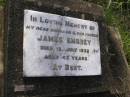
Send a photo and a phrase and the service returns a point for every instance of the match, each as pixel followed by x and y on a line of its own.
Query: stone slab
pixel 57 86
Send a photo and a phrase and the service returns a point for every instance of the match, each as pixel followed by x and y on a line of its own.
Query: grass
pixel 2 2
pixel 121 22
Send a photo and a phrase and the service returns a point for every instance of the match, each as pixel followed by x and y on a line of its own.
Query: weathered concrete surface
pixel 1 51
pixel 128 95
pixel 77 5
pixel 120 79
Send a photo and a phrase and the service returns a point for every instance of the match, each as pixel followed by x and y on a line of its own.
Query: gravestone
pixel 60 48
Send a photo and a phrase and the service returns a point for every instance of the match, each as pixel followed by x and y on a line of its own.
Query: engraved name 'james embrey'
pixel 57 39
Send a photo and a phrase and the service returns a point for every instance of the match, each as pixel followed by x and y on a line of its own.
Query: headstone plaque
pixel 56 45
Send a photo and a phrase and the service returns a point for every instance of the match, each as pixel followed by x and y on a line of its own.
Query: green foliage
pixel 125 34
pixel 2 2
pixel 116 16
pixel 110 18
pixel 115 20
